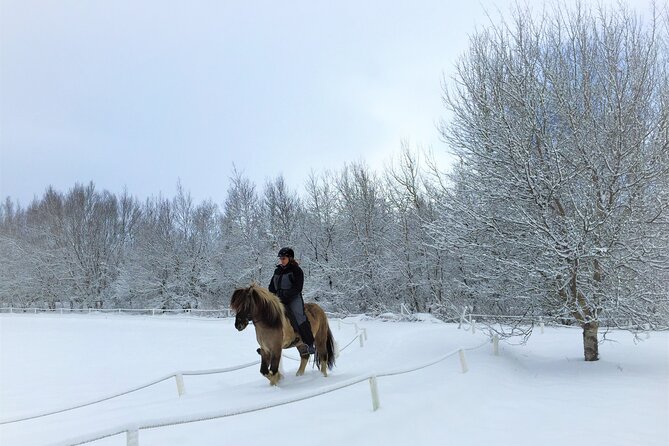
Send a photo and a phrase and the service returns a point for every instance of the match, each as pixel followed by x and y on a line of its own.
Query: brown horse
pixel 274 331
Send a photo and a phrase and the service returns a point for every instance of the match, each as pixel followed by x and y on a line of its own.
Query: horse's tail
pixel 331 347
pixel 331 350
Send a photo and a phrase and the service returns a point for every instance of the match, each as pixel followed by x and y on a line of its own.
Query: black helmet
pixel 286 252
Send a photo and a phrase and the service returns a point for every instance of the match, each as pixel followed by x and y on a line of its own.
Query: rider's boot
pixel 307 336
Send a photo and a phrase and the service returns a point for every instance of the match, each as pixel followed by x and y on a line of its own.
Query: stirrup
pixel 311 350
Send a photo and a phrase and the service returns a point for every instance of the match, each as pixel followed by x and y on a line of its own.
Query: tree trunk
pixel 590 342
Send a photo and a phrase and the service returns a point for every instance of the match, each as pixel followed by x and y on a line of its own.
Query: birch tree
pixel 561 123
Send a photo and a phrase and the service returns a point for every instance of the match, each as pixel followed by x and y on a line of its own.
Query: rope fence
pixel 177 376
pixel 174 375
pixel 132 431
pixel 470 319
pixel 222 313
pixel 465 318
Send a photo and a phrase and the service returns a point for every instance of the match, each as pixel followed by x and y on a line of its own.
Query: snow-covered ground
pixel 541 393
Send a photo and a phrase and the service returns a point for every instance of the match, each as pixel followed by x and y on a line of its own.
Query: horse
pixel 274 331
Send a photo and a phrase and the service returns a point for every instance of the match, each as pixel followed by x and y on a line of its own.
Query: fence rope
pixel 132 390
pixel 351 342
pixel 152 312
pixel 144 386
pixel 174 421
pixel 285 355
pixel 427 364
pixel 157 423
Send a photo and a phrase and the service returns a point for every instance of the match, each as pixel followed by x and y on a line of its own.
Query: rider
pixel 287 283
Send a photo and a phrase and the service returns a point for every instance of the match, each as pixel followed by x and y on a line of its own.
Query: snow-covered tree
pixel 561 203
pixel 172 259
pixel 320 238
pixel 416 262
pixel 284 214
pixel 245 247
pixel 65 248
pixel 363 274
pixel 95 239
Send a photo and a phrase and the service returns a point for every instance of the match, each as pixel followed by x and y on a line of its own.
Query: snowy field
pixel 542 393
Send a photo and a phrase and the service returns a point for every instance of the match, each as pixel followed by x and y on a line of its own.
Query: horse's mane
pixel 259 302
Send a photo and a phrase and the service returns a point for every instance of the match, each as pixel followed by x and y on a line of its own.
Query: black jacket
pixel 287 282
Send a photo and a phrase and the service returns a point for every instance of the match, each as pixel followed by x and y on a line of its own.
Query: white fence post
pixel 462 318
pixel 463 361
pixel 541 324
pixel 364 333
pixel 375 393
pixel 181 388
pixel 473 326
pixel 132 436
pixel 495 345
pixel 362 342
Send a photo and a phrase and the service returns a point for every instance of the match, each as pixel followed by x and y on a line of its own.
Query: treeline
pixel 360 237
pixel 558 205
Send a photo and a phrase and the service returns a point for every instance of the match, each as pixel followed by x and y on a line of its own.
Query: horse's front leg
pixel 264 362
pixel 274 374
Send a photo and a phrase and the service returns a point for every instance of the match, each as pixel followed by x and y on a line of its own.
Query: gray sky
pixel 143 93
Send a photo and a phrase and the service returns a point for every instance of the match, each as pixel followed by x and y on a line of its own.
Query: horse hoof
pixel 274 378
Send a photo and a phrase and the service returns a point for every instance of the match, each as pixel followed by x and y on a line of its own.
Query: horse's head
pixel 241 322
pixel 256 304
pixel 242 304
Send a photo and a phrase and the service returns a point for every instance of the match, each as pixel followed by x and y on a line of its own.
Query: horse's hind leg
pixel 304 359
pixel 322 352
pixel 324 364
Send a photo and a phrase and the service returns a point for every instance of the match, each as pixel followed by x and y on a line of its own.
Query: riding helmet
pixel 286 252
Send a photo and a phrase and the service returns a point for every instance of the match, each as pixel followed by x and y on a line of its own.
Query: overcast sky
pixel 139 94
